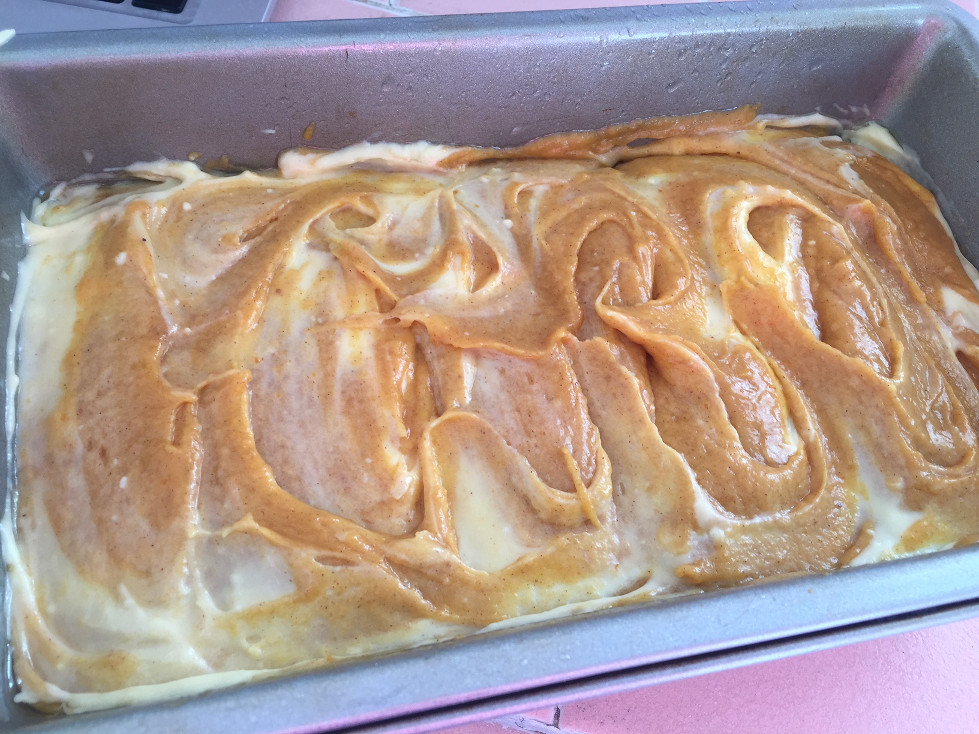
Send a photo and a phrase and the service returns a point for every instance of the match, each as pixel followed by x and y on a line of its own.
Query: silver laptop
pixel 38 16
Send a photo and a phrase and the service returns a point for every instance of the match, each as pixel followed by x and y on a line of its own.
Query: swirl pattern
pixel 396 394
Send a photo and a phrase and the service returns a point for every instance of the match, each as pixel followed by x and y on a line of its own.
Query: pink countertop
pixel 922 681
pixel 322 9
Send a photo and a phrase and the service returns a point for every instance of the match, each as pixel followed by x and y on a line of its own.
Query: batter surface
pixel 393 394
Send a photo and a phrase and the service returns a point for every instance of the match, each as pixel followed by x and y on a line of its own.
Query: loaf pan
pixel 77 102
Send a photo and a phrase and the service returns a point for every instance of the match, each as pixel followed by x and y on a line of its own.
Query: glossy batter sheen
pixel 399 393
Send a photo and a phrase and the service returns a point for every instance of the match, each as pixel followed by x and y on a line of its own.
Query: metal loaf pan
pixel 77 102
